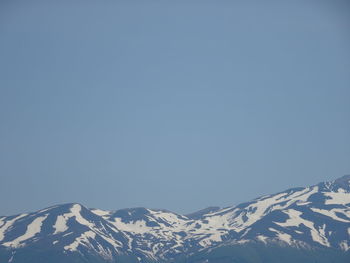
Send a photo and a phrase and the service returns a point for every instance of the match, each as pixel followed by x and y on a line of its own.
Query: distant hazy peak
pixel 200 213
pixel 344 180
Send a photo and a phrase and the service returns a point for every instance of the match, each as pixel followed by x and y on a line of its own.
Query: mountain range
pixel 304 224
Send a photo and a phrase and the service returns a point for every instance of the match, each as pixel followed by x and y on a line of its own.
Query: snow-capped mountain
pixel 314 217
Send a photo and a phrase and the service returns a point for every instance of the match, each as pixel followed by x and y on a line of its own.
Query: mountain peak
pixel 343 182
pixel 200 213
pixel 345 178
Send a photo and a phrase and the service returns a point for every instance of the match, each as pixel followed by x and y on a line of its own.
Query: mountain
pixel 310 224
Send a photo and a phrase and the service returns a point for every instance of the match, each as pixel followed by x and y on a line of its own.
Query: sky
pixel 170 104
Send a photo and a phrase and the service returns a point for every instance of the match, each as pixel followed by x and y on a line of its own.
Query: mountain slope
pixel 315 218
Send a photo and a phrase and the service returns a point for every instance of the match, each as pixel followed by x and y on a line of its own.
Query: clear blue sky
pixel 170 104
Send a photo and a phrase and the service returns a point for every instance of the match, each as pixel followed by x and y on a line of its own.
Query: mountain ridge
pixel 314 217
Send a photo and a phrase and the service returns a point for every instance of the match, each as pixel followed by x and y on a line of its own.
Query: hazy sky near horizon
pixel 170 104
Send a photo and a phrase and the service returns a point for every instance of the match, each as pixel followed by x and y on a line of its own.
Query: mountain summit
pixel 343 182
pixel 310 223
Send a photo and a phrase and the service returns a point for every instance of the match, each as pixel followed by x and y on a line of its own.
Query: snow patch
pixel 7 224
pixel 332 213
pixel 295 219
pixel 344 245
pixel 337 198
pixel 61 224
pixel 282 236
pixel 99 212
pixel 83 239
pixel 32 229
